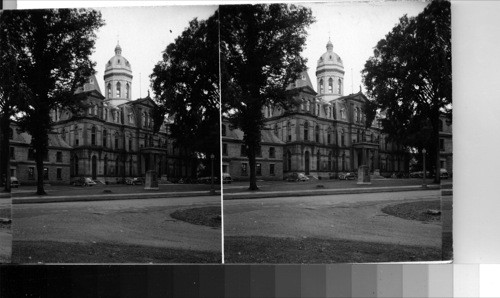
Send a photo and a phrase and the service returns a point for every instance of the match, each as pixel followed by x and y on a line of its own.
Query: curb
pixel 261 195
pixel 107 197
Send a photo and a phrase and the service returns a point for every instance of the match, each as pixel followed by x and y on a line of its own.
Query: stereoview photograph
pixel 113 123
pixel 336 132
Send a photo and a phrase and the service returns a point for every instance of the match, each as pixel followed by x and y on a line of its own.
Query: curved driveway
pixel 138 222
pixel 352 217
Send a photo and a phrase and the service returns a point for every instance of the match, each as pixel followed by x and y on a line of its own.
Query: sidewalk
pixel 318 192
pixel 107 197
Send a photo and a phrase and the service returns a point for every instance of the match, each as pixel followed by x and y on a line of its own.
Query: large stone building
pixel 113 137
pixel 326 133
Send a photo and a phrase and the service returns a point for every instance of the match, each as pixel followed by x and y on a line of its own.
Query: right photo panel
pixel 336 132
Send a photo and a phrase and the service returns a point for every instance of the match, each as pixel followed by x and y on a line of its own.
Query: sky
pixel 143 34
pixel 354 29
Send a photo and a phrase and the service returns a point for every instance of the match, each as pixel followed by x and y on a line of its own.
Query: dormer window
pixel 118 61
pixel 330 57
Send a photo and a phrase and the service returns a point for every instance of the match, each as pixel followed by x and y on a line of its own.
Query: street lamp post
pixel 424 185
pixel 212 189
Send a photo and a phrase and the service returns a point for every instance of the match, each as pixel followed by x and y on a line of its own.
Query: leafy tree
pixel 186 84
pixel 260 56
pixel 52 55
pixel 409 78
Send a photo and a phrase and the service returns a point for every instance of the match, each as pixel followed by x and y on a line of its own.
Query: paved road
pixel 352 217
pixel 138 222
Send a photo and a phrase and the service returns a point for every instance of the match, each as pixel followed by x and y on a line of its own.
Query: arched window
pixel 104 138
pixel 93 134
pixel 223 130
pixel 308 106
pixel 63 134
pixel 339 87
pixel 316 132
pixel 306 131
pixel 127 91
pixel 118 89
pixel 109 90
pixel 95 110
pixel 321 87
pixel 330 85
pixel 276 129
pixel 302 105
pixel 329 136
pixel 342 113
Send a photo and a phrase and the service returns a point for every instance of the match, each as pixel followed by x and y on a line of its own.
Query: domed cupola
pixel 118 77
pixel 330 74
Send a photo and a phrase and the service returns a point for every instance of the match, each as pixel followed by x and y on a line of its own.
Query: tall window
pixel 105 165
pixel 342 138
pixel 12 153
pixel 440 124
pixel 31 154
pixel 321 87
pixel 339 87
pixel 276 129
pixel 63 134
pixel 223 130
pixel 271 169
pixel 59 174
pixel 75 132
pixel 244 169
pixel 11 134
pixel 316 132
pixel 258 169
pixel 130 144
pixel 243 151
pixel 441 144
pixel 109 90
pixel 272 152
pixel 288 160
pixel 116 141
pixel 289 131
pixel 318 160
pixel 127 91
pixel 118 89
pixel 306 131
pixel 330 161
pixel 224 149
pixel 59 156
pixel 330 85
pixel 93 134
pixel 104 138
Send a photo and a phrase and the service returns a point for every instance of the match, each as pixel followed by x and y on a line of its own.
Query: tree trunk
pixel 39 169
pixel 251 163
pixel 4 153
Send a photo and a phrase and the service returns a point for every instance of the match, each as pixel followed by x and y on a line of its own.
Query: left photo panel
pixel 110 134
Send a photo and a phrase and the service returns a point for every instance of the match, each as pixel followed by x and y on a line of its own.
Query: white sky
pixel 355 29
pixel 144 34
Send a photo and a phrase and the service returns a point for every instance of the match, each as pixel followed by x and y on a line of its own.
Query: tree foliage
pixel 409 78
pixel 261 49
pixel 186 85
pixel 51 49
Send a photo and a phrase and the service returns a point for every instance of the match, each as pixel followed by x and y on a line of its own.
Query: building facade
pixel 112 137
pixel 269 160
pixel 326 133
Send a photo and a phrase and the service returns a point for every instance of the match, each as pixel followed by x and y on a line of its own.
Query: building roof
pixel 303 81
pixel 55 139
pixel 118 62
pixel 267 136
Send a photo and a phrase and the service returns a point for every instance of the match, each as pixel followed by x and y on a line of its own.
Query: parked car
pixel 83 181
pixel 134 181
pixel 347 176
pixel 14 183
pixel 226 178
pixel 297 177
pixel 443 173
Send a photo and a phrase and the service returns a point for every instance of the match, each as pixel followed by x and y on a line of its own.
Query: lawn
pixel 205 216
pixel 63 252
pixel 415 210
pixel 258 249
